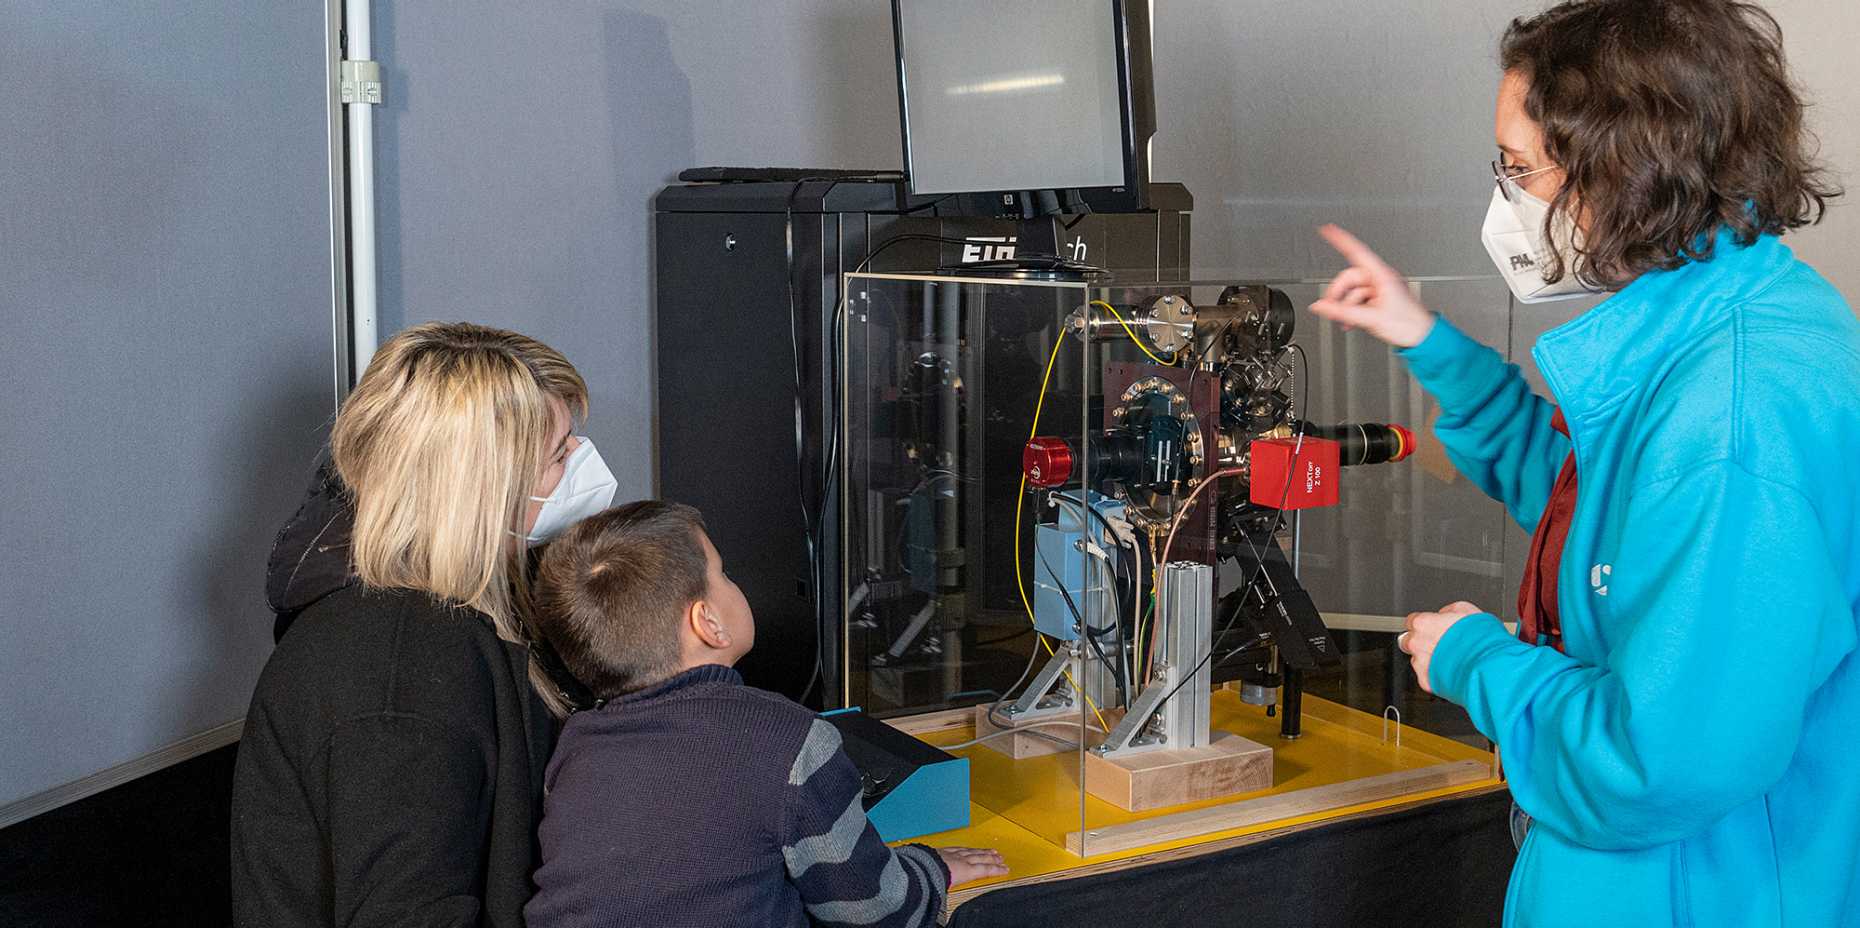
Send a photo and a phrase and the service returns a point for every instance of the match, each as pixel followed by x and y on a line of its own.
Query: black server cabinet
pixel 729 259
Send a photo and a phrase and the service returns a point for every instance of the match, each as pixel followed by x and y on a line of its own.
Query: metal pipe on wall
pixel 361 136
pixel 338 163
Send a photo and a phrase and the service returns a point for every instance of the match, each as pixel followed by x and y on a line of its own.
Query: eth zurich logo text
pixel 1598 578
pixel 978 248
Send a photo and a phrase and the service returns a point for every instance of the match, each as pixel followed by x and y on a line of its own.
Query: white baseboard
pixel 39 803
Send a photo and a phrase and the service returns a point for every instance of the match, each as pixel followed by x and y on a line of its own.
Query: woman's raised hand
pixel 1372 296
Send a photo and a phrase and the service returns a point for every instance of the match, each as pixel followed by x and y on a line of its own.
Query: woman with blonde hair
pixel 391 768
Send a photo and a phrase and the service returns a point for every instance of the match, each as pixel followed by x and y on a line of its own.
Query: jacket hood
pixel 310 557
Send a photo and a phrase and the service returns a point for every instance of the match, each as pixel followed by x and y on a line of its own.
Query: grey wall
pixel 522 142
pixel 164 288
pixel 1824 48
pixel 1283 116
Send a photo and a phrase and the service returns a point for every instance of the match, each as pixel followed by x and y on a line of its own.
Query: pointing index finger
pixel 1354 251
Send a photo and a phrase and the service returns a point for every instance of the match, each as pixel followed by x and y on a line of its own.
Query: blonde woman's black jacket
pixel 391 767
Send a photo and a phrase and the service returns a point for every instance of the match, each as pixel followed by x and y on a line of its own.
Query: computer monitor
pixel 1045 103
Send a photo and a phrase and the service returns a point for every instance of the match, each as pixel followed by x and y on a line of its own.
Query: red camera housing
pixel 1287 475
pixel 1047 462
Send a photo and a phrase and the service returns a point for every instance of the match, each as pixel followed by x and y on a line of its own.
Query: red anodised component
pixel 1407 443
pixel 1312 477
pixel 1047 462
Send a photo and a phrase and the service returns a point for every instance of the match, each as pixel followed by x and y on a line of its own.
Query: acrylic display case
pixel 1093 523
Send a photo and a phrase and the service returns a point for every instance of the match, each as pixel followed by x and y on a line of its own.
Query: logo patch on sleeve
pixel 1598 578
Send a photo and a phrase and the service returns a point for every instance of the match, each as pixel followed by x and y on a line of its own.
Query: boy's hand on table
pixel 968 864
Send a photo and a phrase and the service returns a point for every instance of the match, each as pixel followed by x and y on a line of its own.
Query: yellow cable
pixel 1133 334
pixel 1020 498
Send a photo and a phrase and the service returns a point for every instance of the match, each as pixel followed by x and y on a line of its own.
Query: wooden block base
pixel 1229 764
pixel 1176 826
pixel 1024 743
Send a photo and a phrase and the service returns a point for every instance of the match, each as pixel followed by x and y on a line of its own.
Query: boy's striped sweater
pixel 700 801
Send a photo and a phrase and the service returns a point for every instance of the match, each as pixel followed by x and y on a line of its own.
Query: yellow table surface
pixel 1027 808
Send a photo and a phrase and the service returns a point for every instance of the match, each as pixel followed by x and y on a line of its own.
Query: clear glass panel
pixel 943 380
pixel 1216 429
pixel 1410 536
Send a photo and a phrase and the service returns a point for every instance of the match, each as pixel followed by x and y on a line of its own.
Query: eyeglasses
pixel 1506 181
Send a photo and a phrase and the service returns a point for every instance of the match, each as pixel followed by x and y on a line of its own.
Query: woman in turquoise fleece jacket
pixel 1687 752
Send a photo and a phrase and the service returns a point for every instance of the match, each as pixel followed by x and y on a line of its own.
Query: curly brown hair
pixel 1672 119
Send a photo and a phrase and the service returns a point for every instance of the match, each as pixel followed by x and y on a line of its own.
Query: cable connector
pixel 360 82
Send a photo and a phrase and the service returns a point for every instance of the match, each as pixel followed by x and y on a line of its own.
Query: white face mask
pixel 586 487
pixel 1514 237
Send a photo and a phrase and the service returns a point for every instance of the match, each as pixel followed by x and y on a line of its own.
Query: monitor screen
pixel 1011 95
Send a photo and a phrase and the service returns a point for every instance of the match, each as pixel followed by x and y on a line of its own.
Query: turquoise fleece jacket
pixel 1694 757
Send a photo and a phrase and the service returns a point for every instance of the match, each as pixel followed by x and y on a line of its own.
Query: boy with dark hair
pixel 685 797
